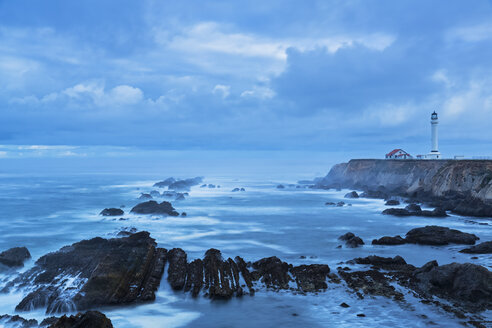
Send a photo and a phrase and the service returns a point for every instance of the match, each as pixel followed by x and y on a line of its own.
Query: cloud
pixel 222 90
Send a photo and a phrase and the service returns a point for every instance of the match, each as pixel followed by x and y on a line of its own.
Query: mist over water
pixel 50 202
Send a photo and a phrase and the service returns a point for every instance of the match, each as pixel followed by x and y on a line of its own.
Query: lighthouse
pixel 434 153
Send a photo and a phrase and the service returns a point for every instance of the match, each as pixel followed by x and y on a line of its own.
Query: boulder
pixel 482 248
pixel 436 235
pixel 92 319
pixel 467 284
pixel 352 194
pixel 152 207
pixel 351 240
pixel 15 257
pixel 311 278
pixel 273 272
pixel 94 273
pixel 392 202
pixel 112 212
pixel 387 240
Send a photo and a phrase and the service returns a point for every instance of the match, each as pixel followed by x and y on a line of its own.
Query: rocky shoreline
pixel 463 187
pixel 128 270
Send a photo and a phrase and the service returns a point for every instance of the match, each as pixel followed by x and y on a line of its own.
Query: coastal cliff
pixel 460 183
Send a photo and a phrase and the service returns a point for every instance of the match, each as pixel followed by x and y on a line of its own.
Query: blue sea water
pixel 46 204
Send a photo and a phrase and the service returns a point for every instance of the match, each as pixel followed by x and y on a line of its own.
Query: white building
pixel 398 154
pixel 434 153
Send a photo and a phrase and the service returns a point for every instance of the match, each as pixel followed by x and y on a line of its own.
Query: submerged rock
pixel 482 248
pixel 92 319
pixel 112 212
pixel 15 257
pixel 93 273
pixel 436 235
pixel 352 194
pixel 280 186
pixel 152 207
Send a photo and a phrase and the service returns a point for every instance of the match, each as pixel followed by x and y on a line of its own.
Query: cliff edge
pixel 453 184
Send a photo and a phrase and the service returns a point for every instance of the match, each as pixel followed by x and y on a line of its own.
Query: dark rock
pixel 273 272
pixel 362 315
pixel 351 240
pixel 280 186
pixel 177 271
pixel 438 212
pixel 236 190
pixel 17 321
pixel 330 203
pixel 397 212
pixel 352 194
pixel 467 284
pixel 482 248
pixel 145 196
pixel 242 189
pixel 164 183
pixel 387 240
pixel 436 235
pixel 107 272
pixel 344 305
pixel 311 278
pixel 370 282
pixel 377 194
pixel 185 185
pixel 184 214
pixel 471 206
pixel 152 207
pixel 396 263
pixel 413 208
pixel 15 257
pixel 92 319
pixel 392 202
pixel 340 204
pixel 112 212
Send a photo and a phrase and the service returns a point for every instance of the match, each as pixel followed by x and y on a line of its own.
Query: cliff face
pixel 438 178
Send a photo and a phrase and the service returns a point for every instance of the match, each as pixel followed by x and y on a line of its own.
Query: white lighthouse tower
pixel 434 154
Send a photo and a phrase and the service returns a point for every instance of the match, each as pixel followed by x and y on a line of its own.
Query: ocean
pixel 46 204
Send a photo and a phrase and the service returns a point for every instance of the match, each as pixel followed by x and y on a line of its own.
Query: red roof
pixel 393 152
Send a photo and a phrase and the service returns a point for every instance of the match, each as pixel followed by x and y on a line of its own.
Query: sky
pixel 355 77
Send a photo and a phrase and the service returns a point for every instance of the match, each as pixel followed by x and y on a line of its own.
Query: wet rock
pixel 413 208
pixel 351 240
pixel 340 204
pixel 352 194
pixel 397 212
pixel 344 305
pixel 280 186
pixel 438 212
pixel 164 183
pixel 112 212
pixel 145 196
pixel 387 240
pixel 155 193
pixel 392 202
pixel 273 272
pixel 152 207
pixel 311 278
pixel 472 206
pixel 436 235
pixel 127 231
pixel 396 263
pixel 330 203
pixel 377 194
pixel 177 271
pixel 482 248
pixel 17 321
pixel 185 185
pixel 469 285
pixel 184 214
pixel 93 273
pixel 15 257
pixel 92 319
pixel 370 282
